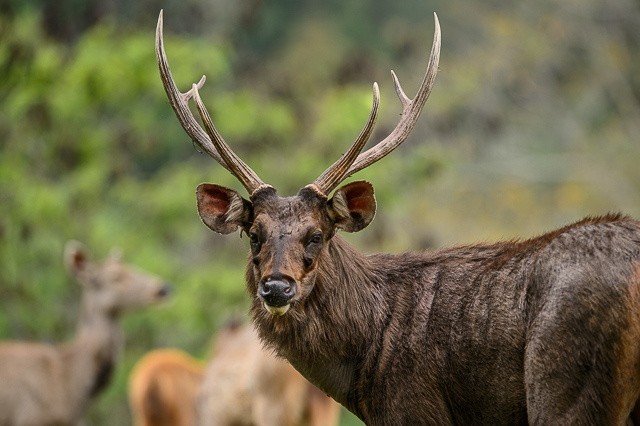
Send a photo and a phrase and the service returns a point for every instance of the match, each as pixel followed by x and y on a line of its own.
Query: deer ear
pixel 222 209
pixel 116 254
pixel 76 256
pixel 353 206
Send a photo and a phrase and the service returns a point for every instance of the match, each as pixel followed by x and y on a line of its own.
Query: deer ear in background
pixel 76 256
pixel 116 254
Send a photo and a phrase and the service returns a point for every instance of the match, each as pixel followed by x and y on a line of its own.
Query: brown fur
pixel 245 385
pixel 47 385
pixel 542 331
pixel 162 388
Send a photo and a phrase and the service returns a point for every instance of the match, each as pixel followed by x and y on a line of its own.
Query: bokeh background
pixel 534 122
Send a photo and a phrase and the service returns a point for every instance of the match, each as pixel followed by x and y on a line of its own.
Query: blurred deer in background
pixel 544 331
pixel 49 385
pixel 162 388
pixel 244 384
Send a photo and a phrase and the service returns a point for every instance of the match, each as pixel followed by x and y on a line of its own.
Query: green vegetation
pixel 534 122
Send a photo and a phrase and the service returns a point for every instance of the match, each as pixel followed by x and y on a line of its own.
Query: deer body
pixel 163 387
pixel 544 331
pixel 53 384
pixel 49 385
pixel 474 328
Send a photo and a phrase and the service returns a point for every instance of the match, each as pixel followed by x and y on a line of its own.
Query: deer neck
pixel 324 337
pixel 90 357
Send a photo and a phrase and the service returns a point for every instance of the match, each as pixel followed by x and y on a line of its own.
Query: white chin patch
pixel 277 311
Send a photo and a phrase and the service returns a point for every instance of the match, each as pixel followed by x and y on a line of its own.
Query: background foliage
pixel 534 122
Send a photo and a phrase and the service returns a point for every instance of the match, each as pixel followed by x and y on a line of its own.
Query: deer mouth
pixel 277 292
pixel 277 311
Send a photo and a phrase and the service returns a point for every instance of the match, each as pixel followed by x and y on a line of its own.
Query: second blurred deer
pixel 241 385
pixel 162 388
pixel 246 385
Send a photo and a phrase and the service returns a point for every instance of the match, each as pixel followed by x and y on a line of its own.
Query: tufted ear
pixel 353 206
pixel 222 209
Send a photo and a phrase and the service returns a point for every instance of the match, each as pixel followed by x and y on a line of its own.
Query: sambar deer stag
pixel 544 331
pixel 49 385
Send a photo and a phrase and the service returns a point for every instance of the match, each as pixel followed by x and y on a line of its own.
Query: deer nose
pixel 165 291
pixel 276 292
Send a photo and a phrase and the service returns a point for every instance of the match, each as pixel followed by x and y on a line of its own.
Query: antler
pixel 211 141
pixel 248 177
pixel 331 177
pixel 350 163
pixel 411 109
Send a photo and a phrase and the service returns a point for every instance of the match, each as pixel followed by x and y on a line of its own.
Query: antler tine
pixel 245 175
pixel 411 110
pixel 335 174
pixel 211 141
pixel 179 101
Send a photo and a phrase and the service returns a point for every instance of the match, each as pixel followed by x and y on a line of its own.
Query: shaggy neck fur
pixel 328 336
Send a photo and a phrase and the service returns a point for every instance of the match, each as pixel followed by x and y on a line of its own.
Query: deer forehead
pixel 116 272
pixel 288 216
pixel 113 270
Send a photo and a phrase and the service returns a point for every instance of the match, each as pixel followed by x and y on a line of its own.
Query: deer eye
pixel 315 238
pixel 255 241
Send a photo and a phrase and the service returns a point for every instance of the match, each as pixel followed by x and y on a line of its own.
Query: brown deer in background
pixel 48 385
pixel 244 384
pixel 544 331
pixel 162 388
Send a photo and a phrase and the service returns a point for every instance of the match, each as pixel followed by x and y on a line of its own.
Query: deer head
pixel 113 286
pixel 289 236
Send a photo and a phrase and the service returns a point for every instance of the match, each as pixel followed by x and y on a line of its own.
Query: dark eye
pixel 254 240
pixel 315 239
